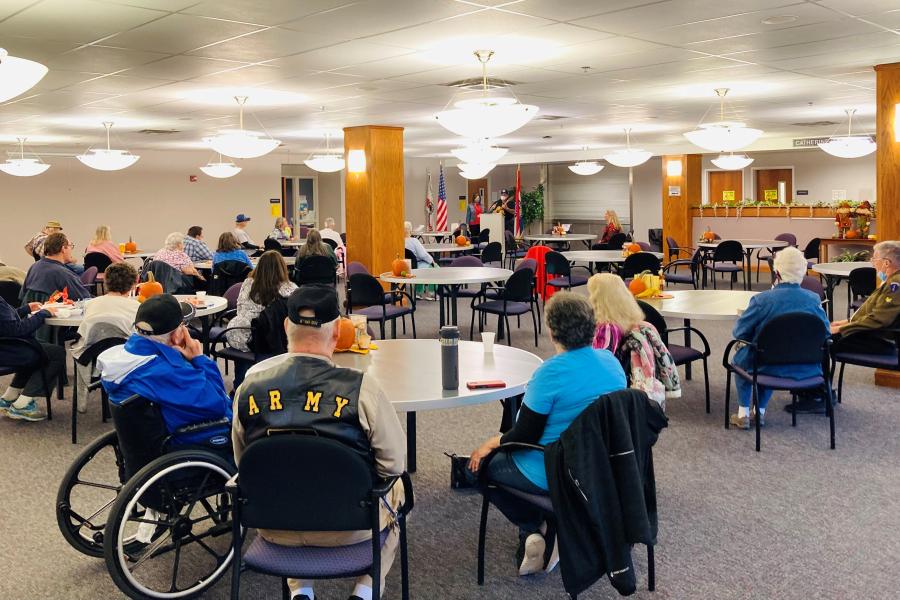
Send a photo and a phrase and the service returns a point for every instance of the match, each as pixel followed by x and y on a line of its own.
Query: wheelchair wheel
pixel 169 531
pixel 88 490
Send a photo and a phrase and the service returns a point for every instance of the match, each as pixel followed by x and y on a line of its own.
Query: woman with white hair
pixel 173 254
pixel 786 296
pixel 423 259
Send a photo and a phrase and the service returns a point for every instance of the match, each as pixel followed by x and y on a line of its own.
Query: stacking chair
pixel 727 257
pixel 811 252
pixel 484 238
pixel 89 358
pixel 365 291
pixel 674 249
pixel 463 291
pixel 889 361
pixel 314 269
pixel 273 244
pixel 645 246
pixel 9 291
pixel 791 338
pixel 559 273
pixel 616 241
pixel 356 267
pixel 514 249
pixel 492 255
pixel 790 238
pixel 681 355
pixel 32 355
pixel 692 276
pixel 861 282
pixel 635 264
pixel 227 273
pixel 221 320
pixel 89 279
pixel 515 297
pixel 97 259
pixel 814 285
pixel 266 496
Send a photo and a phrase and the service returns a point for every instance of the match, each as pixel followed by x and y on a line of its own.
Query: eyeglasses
pixel 70 245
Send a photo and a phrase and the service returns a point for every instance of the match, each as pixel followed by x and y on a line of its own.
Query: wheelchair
pixel 157 512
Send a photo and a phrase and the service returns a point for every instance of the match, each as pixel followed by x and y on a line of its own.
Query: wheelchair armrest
pixel 231 486
pixel 730 346
pixel 202 426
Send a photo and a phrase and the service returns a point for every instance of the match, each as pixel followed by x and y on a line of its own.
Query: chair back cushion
pixel 356 267
pixel 9 291
pixel 364 290
pixel 652 316
pixel 411 257
pixel 226 274
pixel 519 286
pixel 791 338
pixel 466 261
pixel 557 264
pixel 638 263
pixel 616 241
pixel 231 295
pixel 729 251
pixel 814 285
pixel 491 253
pixel 790 238
pixel 527 263
pixel 98 260
pixel 272 244
pixel 89 276
pixel 812 249
pixel 863 281
pixel 315 269
pixel 331 243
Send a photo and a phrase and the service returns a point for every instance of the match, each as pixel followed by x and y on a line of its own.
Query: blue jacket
pixel 783 298
pixel 48 276
pixel 187 392
pixel 15 323
pixel 240 255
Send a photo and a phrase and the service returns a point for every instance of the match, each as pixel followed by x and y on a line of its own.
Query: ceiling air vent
pixel 476 83
pixel 815 124
pixel 158 131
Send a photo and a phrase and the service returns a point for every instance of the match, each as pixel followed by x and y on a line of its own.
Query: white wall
pixel 414 189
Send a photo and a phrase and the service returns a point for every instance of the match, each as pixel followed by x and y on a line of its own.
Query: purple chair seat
pixel 726 267
pixel 309 561
pixel 780 382
pixel 877 361
pixel 683 355
pixel 495 307
pixel 390 311
pixel 563 282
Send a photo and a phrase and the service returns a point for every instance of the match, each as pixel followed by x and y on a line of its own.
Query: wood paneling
pixel 676 209
pixel 768 179
pixel 475 186
pixel 725 181
pixel 374 199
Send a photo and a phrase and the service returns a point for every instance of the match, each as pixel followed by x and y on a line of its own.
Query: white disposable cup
pixel 487 338
pixel 201 294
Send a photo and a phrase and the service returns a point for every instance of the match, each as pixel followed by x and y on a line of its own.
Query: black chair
pixel 681 355
pixel 559 273
pixel 492 253
pixel 515 297
pixel 314 269
pixel 411 257
pixel 227 273
pixel 265 498
pixel 616 241
pixel 9 291
pixel 888 360
pixel 727 257
pixel 790 238
pixel 97 259
pixel 860 284
pixel 484 238
pixel 344 238
pixel 363 290
pixel 31 355
pixel 811 251
pixel 814 285
pixel 89 358
pixel 674 249
pixel 514 249
pixel 219 348
pixel 791 338
pixel 331 243
pixel 637 263
pixel 692 277
pixel 172 280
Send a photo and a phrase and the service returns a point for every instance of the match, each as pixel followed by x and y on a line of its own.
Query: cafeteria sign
pixel 771 195
pixel 727 195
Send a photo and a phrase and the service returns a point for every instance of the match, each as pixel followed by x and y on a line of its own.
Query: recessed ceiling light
pixel 779 19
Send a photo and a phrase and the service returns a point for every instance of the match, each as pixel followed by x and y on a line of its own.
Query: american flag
pixel 518 219
pixel 429 204
pixel 441 224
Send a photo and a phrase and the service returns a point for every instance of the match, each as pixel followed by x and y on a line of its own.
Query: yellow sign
pixel 771 195
pixel 276 210
pixel 727 195
pixel 462 205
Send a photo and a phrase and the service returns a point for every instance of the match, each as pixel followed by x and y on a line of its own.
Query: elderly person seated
pixel 349 406
pixel 163 363
pixel 280 230
pixel 423 259
pixel 109 316
pixel 229 249
pixel 786 296
pixel 35 246
pixel 559 390
pixel 173 254
pixel 621 329
pixel 103 244
pixel 194 246
pixel 50 274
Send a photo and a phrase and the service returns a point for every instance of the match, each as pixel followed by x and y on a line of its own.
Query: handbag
pixel 460 476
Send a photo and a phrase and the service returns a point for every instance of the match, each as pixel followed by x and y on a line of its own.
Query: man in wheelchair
pixel 304 389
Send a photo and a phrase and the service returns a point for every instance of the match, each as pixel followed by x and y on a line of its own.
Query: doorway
pixel 725 186
pixel 774 185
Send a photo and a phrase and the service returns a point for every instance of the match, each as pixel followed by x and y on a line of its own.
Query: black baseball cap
pixel 241 218
pixel 162 314
pixel 319 298
pixel 504 191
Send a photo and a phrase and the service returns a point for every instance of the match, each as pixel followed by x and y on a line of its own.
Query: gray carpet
pixel 796 521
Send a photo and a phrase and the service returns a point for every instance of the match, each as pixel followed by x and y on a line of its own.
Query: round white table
pixel 293 243
pixel 452 278
pixel 749 246
pixel 600 256
pixel 421 389
pixel 833 273
pixel 432 234
pixel 436 248
pixel 138 255
pixel 587 238
pixel 207 264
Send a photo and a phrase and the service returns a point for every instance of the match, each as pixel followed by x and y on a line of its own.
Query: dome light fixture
pixel 629 157
pixel 18 75
pixel 108 159
pixel 723 136
pixel 221 169
pixel 487 116
pixel 481 151
pixel 586 167
pixel 732 162
pixel 241 143
pixel 23 167
pixel 475 170
pixel 849 146
pixel 329 162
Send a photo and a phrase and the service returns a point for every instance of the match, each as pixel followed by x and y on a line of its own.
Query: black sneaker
pixel 809 404
pixel 300 597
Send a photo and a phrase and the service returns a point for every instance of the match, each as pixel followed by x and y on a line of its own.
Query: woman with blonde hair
pixel 613 226
pixel 103 244
pixel 621 329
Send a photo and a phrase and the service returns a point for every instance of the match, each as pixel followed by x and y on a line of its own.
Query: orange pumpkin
pixel 633 248
pixel 399 267
pixel 130 246
pixel 708 235
pixel 149 288
pixel 346 334
pixel 637 286
pixel 462 240
pixel 852 234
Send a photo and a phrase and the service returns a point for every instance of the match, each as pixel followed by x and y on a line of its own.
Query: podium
pixel 494 222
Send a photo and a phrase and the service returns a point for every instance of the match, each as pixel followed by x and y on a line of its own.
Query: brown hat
pixel 53 225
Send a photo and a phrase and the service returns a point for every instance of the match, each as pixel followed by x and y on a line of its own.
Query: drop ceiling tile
pixel 56 79
pixel 83 21
pixel 834 50
pixel 595 54
pixel 166 5
pixel 338 56
pixel 372 17
pixel 860 7
pixel 270 12
pixel 179 33
pixel 11 7
pixel 406 64
pixel 178 68
pixel 264 45
pixel 783 37
pixel 573 9
pixel 100 59
pixel 117 84
pixel 36 49
pixel 561 34
pixel 252 75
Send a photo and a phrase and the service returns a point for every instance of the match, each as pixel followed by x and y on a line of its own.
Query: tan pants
pixel 327 539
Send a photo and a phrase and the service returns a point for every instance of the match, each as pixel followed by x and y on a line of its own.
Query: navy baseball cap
pixel 241 218
pixel 321 299
pixel 162 314
pixel 504 192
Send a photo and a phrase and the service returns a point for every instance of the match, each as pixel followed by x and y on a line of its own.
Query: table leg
pixel 687 342
pixel 747 268
pixel 830 283
pixel 411 441
pixel 454 292
pixel 204 329
pixel 442 318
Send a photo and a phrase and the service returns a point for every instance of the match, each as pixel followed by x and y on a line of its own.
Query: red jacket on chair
pixel 538 253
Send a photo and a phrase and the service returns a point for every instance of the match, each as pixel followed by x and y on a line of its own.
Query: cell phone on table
pixel 487 384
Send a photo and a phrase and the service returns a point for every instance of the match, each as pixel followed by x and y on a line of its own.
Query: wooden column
pixel 887 170
pixel 374 198
pixel 679 193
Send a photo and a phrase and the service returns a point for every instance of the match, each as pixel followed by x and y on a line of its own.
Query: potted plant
pixel 533 206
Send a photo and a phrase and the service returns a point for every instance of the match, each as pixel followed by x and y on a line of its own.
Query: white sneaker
pixel 533 559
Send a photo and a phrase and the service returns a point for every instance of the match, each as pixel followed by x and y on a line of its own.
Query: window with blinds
pixel 580 198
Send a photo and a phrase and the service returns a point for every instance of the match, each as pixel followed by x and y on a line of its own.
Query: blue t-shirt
pixel 561 388
pixel 231 255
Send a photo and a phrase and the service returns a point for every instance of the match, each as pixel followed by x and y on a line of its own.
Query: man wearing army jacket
pixel 305 389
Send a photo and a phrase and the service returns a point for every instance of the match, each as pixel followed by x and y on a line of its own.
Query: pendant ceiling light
pixel 487 116
pixel 241 143
pixel 849 146
pixel 475 170
pixel 23 167
pixel 221 169
pixel 630 157
pixel 732 162
pixel 723 136
pixel 586 167
pixel 479 152
pixel 329 162
pixel 18 75
pixel 108 159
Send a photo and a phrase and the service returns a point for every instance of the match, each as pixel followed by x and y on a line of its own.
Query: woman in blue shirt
pixel 230 249
pixel 787 296
pixel 559 390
